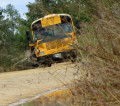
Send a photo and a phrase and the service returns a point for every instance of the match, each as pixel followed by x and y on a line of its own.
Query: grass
pixel 99 46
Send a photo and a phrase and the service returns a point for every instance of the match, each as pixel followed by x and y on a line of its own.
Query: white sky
pixel 20 5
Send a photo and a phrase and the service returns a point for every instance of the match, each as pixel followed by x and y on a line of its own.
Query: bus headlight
pixel 42 53
pixel 71 47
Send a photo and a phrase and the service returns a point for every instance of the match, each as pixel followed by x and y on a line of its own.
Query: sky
pixel 20 5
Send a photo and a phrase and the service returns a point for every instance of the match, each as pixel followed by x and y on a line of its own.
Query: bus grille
pixel 56 44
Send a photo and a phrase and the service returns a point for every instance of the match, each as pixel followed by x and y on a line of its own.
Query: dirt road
pixel 23 84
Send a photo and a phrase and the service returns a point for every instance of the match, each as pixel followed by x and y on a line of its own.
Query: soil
pixel 17 85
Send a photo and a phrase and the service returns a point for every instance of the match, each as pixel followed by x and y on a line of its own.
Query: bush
pixel 99 45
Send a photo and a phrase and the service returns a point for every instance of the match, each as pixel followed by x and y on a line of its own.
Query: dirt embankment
pixel 23 84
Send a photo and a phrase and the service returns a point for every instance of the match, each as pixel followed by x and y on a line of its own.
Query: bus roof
pixel 48 16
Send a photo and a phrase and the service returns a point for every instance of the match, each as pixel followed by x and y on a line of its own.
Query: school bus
pixel 53 38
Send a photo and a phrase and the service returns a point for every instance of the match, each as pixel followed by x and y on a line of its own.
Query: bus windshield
pixel 52 32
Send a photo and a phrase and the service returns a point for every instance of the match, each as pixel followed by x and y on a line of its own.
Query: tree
pixel 41 8
pixel 13 17
pixel 12 29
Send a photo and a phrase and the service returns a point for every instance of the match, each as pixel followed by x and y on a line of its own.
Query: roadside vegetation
pixel 99 46
pixel 98 38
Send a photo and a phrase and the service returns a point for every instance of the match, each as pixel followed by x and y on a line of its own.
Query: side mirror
pixel 33 41
pixel 28 36
pixel 77 24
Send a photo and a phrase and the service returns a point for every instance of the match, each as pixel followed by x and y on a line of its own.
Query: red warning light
pixel 63 19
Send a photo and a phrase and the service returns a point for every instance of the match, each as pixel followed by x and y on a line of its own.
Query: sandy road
pixel 22 84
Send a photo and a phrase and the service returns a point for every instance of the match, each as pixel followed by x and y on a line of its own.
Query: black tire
pixel 48 64
pixel 35 65
pixel 73 56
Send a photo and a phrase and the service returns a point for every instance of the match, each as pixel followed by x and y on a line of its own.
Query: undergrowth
pixel 99 46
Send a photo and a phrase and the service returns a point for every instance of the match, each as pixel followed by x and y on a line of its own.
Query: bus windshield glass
pixel 52 32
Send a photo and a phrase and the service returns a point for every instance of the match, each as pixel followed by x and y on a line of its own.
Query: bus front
pixel 54 36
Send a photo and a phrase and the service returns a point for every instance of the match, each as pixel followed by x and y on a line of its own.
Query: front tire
pixel 48 64
pixel 73 56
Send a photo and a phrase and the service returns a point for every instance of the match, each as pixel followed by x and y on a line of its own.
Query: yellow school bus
pixel 53 38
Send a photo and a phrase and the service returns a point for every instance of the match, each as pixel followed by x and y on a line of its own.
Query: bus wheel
pixel 35 65
pixel 73 56
pixel 48 64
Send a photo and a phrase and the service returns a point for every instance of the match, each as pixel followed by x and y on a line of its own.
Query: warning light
pixel 63 19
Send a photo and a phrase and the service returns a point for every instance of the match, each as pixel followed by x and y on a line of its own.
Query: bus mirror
pixel 28 36
pixel 33 41
pixel 77 24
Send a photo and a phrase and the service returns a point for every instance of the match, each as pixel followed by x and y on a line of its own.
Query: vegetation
pixel 100 52
pixel 99 44
pixel 13 39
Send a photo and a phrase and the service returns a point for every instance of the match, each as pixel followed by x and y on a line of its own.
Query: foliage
pixel 12 34
pixel 41 8
pixel 100 52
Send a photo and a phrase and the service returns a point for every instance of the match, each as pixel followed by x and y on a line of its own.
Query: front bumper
pixel 57 56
